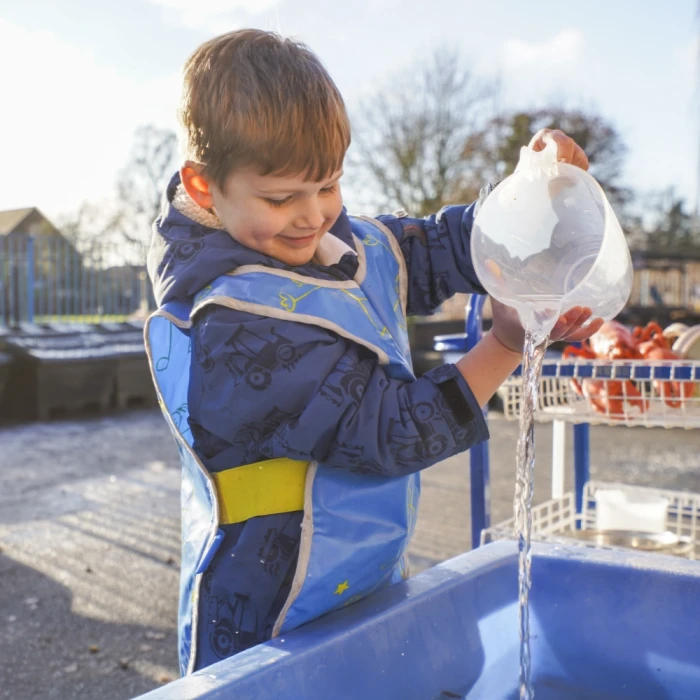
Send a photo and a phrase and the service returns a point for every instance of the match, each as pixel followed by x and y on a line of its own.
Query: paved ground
pixel 88 594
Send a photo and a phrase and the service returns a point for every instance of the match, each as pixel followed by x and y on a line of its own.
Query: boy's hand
pixel 486 366
pixel 509 332
pixel 568 151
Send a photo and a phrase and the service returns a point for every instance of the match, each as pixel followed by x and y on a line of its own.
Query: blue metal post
pixel 11 281
pixel 53 267
pixel 39 283
pixel 83 287
pixel 99 287
pixel 4 277
pixel 582 458
pixel 112 282
pixel 93 284
pixel 73 284
pixel 45 273
pixel 479 454
pixel 67 291
pixel 30 279
pixel 60 282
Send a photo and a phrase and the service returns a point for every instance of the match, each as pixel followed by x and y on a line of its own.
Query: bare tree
pixel 141 183
pixel 122 223
pixel 664 223
pixel 434 137
pixel 494 152
pixel 91 223
pixel 409 138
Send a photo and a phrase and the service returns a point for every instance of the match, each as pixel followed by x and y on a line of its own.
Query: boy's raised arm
pixel 437 254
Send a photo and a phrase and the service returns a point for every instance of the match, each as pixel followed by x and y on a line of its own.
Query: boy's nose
pixel 311 218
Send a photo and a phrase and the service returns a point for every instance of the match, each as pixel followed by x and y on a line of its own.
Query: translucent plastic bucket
pixel 546 239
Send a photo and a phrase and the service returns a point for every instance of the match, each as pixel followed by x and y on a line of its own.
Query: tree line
pixel 433 136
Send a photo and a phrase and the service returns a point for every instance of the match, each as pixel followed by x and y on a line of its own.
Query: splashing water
pixel 524 482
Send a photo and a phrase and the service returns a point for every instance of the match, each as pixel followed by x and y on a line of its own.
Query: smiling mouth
pixel 299 240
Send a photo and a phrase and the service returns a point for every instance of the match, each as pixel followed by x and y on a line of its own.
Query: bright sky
pixel 78 76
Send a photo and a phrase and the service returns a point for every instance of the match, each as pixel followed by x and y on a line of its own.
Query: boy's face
pixel 284 217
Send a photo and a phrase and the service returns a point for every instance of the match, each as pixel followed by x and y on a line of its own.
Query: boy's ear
pixel 196 185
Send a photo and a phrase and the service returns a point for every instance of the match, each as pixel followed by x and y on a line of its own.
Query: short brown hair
pixel 254 98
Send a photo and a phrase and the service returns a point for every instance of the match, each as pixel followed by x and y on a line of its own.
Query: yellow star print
pixel 342 587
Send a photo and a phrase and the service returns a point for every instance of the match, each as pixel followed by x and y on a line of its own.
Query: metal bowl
pixel 666 542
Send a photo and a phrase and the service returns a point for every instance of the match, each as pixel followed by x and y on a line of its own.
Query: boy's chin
pixel 300 262
pixel 297 258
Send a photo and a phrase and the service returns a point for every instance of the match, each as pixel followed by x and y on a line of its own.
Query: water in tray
pixel 546 690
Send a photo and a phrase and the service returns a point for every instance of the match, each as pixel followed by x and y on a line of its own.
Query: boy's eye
pixel 282 202
pixel 278 202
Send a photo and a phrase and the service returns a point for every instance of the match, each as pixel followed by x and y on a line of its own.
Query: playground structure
pixel 607 621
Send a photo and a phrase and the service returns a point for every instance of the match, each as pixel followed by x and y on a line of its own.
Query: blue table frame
pixel 479 455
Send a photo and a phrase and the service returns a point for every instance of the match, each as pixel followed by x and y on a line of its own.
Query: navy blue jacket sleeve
pixel 438 256
pixel 264 388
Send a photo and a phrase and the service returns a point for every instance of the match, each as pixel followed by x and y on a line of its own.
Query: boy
pixel 288 385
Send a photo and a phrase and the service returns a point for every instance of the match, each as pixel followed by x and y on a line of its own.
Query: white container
pixel 637 512
pixel 687 344
pixel 546 240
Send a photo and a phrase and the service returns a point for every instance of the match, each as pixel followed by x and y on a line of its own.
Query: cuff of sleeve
pixel 467 224
pixel 461 400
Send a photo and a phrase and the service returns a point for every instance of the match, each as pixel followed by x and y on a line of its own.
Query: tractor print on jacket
pixel 255 358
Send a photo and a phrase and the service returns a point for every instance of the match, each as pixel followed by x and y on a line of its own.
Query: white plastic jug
pixel 546 239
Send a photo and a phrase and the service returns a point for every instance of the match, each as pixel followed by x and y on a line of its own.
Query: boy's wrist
pixel 504 344
pixel 486 366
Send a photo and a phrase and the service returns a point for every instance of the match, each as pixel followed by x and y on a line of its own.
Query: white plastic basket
pixel 553 520
pixel 634 383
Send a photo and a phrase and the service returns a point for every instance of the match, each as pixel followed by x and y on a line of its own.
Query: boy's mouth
pixel 298 241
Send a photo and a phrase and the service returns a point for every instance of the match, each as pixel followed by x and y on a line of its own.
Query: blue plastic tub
pixel 604 625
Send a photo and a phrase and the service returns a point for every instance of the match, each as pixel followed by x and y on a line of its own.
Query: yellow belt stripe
pixel 263 488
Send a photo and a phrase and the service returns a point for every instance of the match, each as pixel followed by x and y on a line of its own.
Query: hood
pixel 189 249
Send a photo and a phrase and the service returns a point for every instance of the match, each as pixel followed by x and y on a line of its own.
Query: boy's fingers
pixel 568 151
pixel 565 146
pixel 580 159
pixel 538 142
pixel 583 333
pixel 568 322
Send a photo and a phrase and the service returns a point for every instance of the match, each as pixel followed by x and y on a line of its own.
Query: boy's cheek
pixel 336 210
pixel 249 226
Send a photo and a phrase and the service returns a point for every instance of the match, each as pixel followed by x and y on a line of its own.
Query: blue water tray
pixel 604 624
